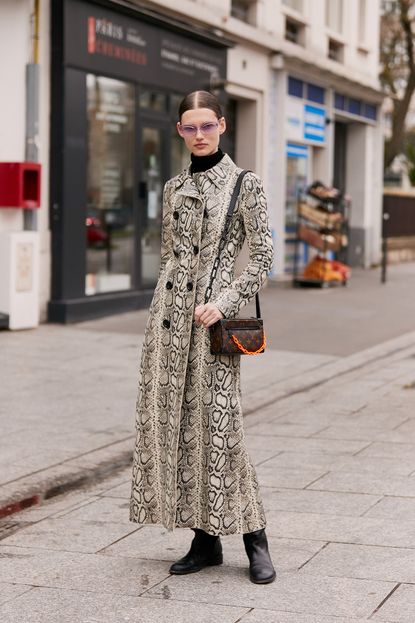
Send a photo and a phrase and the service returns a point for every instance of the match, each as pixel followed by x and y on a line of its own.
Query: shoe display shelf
pixel 322 223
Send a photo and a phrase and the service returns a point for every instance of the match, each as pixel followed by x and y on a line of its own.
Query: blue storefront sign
pixel 297 151
pixel 314 123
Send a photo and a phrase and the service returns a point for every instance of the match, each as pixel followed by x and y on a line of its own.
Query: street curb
pixel 66 476
pixel 100 463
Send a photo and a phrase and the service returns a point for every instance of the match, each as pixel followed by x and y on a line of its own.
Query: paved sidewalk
pixel 68 393
pixel 336 463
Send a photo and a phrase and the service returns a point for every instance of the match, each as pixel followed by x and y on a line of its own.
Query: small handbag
pixel 235 336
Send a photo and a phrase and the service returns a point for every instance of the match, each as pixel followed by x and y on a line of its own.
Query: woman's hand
pixel 207 314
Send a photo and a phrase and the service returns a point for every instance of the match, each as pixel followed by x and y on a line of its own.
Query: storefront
pixel 117 78
pixel 306 139
pixel 332 138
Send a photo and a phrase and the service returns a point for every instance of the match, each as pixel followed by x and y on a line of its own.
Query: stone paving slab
pixel 9 591
pixel 358 530
pixel 404 451
pixel 321 502
pixel 333 463
pixel 41 605
pixel 286 477
pixel 400 607
pixel 70 535
pixel 300 444
pixel 393 507
pixel 366 483
pixel 305 594
pixel 368 433
pixel 393 564
pixel 100 510
pixel 258 615
pixel 80 572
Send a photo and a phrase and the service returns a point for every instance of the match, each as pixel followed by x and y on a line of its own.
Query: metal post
pixel 32 112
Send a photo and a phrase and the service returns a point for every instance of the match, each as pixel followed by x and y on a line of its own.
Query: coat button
pixel 195 249
pixel 166 323
pixel 169 285
pixel 189 286
pixel 175 215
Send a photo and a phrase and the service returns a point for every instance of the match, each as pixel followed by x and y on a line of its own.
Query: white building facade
pixel 299 82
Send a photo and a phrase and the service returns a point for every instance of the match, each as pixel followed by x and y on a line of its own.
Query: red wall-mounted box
pixel 20 185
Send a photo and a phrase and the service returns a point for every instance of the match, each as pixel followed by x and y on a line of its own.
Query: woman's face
pixel 201 129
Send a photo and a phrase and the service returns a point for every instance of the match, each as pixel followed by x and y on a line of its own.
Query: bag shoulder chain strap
pixel 222 241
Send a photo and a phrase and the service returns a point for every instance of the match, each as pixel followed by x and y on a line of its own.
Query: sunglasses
pixel 191 130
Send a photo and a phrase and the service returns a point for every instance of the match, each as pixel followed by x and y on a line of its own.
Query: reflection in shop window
pixel 153 100
pixel 110 177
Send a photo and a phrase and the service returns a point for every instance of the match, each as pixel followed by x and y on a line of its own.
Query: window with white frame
pixel 294 31
pixel 297 5
pixel 334 15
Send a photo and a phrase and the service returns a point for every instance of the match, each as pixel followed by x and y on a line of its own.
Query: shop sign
pixel 297 151
pixel 314 123
pixel 305 122
pixel 104 41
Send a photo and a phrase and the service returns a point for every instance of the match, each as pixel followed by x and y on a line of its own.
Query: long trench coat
pixel 190 465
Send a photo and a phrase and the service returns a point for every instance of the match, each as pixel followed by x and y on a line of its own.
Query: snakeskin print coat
pixel 190 465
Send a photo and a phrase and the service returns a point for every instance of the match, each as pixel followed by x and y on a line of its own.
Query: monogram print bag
pixel 235 336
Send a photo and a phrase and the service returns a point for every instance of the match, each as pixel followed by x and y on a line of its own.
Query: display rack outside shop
pixel 323 224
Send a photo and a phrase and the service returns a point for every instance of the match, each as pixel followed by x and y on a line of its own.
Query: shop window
pixel 315 93
pixel 244 10
pixel 336 51
pixel 109 219
pixel 339 101
pixel 294 31
pixel 153 100
pixel 307 90
pixel 355 107
pixel 295 87
pixel 370 111
pixel 296 5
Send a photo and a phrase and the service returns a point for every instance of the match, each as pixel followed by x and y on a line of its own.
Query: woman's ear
pixel 222 125
pixel 178 127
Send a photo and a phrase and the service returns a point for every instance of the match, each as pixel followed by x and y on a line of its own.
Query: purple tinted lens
pixel 208 128
pixel 205 128
pixel 188 130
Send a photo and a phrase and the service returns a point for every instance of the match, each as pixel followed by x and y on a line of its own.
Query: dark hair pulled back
pixel 200 99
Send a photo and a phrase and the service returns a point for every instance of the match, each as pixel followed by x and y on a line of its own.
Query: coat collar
pixel 219 175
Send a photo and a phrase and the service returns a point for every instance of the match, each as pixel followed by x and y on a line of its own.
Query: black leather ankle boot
pixel 261 569
pixel 205 551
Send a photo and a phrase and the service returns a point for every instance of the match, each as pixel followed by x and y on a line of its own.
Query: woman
pixel 191 468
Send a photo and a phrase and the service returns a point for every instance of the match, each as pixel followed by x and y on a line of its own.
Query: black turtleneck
pixel 203 163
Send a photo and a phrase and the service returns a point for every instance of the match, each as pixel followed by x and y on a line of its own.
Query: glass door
pixel 296 182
